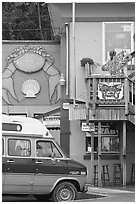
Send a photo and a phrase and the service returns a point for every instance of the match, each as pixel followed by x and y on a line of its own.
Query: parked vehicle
pixel 33 162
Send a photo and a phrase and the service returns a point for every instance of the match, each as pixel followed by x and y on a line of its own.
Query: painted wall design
pixel 30 61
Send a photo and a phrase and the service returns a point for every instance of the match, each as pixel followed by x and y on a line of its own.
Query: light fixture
pixel 62 80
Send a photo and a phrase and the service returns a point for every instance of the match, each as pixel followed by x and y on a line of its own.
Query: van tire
pixel 41 197
pixel 64 191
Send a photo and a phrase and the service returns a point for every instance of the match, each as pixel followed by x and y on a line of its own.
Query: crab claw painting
pixel 30 60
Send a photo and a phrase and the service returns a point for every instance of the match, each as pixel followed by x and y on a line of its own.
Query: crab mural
pixel 30 60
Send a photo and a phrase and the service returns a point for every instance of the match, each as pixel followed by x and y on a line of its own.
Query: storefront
pixel 91 32
pixel 111 145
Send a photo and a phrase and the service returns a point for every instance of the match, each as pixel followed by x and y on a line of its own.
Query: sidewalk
pixel 111 189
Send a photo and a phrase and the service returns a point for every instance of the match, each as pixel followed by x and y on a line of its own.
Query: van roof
pixel 24 125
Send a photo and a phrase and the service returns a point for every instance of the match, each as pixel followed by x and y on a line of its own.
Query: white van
pixel 33 162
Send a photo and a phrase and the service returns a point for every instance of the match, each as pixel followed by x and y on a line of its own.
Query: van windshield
pixel 66 155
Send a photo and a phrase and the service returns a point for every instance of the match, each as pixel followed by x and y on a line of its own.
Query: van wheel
pixel 64 191
pixel 40 197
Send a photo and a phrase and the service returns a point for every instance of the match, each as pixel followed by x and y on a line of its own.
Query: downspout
pixel 67 59
pixel 74 51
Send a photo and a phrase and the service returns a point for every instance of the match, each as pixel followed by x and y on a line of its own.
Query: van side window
pixel 2 146
pixel 47 149
pixel 19 147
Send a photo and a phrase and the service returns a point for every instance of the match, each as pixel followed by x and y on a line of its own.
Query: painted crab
pixel 30 60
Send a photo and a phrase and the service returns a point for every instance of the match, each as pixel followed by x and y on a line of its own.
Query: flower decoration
pixel 84 61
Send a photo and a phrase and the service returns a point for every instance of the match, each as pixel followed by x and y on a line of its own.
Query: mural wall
pixel 30 74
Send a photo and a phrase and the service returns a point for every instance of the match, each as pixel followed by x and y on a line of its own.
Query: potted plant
pixel 87 61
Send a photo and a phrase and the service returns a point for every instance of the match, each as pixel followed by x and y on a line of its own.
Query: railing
pixel 111 91
pixel 108 91
pixel 131 92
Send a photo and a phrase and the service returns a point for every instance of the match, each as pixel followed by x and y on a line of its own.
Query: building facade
pixel 96 108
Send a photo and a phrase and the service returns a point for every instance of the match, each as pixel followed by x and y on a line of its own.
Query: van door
pixel 48 168
pixel 19 166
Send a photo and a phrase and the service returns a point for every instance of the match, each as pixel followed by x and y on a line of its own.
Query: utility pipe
pixel 74 51
pixel 67 58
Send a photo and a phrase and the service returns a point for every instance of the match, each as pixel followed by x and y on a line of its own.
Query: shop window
pixel 88 144
pixel 19 147
pixel 108 144
pixel 109 139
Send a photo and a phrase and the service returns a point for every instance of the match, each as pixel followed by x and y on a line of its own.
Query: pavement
pixel 112 193
pixel 111 189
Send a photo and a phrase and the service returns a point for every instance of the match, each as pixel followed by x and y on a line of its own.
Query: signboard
pixel 52 121
pixel 106 130
pixel 112 90
pixel 88 128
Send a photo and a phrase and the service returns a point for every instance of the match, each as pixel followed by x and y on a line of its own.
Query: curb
pixel 100 190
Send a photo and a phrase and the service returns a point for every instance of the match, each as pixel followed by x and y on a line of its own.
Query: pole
pixel 124 154
pixel 92 156
pixel 99 155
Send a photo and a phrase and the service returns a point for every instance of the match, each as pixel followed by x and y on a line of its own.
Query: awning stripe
pixel 78 112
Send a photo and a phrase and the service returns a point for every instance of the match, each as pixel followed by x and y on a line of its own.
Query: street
pixel 115 196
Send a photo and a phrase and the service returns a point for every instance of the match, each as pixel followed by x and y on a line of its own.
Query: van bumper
pixel 85 188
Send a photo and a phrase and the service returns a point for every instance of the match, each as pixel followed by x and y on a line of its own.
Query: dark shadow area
pixel 30 198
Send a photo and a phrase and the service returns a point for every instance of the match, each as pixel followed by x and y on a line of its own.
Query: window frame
pixel 104 57
pixel 52 144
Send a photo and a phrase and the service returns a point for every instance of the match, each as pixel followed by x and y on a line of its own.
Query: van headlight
pixel 83 173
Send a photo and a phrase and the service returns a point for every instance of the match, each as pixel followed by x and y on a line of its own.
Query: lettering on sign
pixel 88 128
pixel 105 130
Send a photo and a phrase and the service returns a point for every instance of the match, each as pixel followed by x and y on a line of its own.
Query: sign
pixel 106 130
pixel 52 121
pixel 88 128
pixel 112 90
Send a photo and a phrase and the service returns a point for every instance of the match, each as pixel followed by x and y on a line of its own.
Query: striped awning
pixel 77 112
